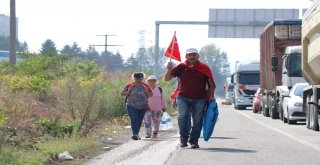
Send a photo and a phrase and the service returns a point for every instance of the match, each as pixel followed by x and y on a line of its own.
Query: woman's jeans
pixel 196 108
pixel 136 116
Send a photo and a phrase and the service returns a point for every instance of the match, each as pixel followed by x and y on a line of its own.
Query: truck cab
pixel 291 74
pixel 246 79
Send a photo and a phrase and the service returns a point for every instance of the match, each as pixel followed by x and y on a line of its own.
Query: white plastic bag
pixel 166 122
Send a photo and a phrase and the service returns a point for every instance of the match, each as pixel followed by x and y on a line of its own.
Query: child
pixel 157 105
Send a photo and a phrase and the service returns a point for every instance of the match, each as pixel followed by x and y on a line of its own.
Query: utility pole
pixel 13 32
pixel 106 45
pixel 106 42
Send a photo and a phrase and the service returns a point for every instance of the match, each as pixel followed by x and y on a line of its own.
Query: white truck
pixel 291 74
pixel 246 80
pixel 311 65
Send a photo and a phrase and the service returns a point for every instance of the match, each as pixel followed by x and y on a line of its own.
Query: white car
pixel 292 104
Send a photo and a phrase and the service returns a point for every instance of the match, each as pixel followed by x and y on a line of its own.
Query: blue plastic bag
pixel 166 122
pixel 209 119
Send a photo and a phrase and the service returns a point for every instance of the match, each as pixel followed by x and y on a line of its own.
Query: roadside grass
pixel 109 133
pixel 79 148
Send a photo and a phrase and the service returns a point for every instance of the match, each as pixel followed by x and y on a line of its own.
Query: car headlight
pixel 240 101
pixel 297 104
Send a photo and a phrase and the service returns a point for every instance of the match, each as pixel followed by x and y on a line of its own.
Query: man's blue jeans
pixel 136 116
pixel 196 107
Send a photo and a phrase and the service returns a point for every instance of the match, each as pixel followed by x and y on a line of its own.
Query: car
pixel 292 104
pixel 229 93
pixel 257 101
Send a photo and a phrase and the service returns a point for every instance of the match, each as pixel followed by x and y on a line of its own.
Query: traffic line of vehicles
pixel 286 84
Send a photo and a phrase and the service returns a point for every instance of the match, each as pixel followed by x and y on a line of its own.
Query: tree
pixel 49 48
pixel 132 63
pixel 145 60
pixel 218 63
pixel 91 53
pixel 22 47
pixel 4 44
pixel 162 59
pixel 74 50
pixel 112 62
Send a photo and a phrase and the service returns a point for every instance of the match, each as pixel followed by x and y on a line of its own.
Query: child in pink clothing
pixel 157 105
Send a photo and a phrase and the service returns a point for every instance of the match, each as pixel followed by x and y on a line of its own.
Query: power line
pixel 106 42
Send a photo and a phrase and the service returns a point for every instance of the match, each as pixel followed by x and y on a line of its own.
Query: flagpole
pixel 174 35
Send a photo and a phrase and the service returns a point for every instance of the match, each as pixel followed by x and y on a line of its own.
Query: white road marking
pixel 282 132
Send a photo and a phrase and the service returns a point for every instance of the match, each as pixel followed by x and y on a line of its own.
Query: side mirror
pixel 285 95
pixel 274 63
pixel 232 80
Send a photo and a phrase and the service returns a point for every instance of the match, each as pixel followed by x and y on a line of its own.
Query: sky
pixel 81 21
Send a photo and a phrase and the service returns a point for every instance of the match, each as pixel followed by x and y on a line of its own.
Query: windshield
pixel 299 90
pixel 294 68
pixel 249 78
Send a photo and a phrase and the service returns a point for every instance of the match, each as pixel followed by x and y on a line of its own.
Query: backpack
pixel 160 89
pixel 130 84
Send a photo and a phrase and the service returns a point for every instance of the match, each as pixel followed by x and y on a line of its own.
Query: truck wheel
pixel 280 110
pixel 273 112
pixel 272 108
pixel 254 110
pixel 285 118
pixel 314 125
pixel 307 106
pixel 265 110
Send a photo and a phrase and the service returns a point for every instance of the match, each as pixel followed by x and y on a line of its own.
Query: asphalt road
pixel 240 138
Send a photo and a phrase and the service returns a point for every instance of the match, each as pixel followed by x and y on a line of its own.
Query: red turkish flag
pixel 173 49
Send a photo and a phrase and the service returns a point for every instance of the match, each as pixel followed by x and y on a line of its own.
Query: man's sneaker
pixel 148 136
pixel 183 142
pixel 135 137
pixel 194 144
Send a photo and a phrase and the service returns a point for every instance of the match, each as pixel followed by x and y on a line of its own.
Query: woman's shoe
pixel 154 135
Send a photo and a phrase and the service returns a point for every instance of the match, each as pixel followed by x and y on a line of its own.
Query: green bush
pixel 58 129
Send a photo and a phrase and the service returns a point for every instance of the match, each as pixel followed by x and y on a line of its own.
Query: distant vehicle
pixel 246 79
pixel 4 56
pixel 292 104
pixel 229 93
pixel 257 101
pixel 310 65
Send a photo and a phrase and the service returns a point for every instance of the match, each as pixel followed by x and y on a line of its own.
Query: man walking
pixel 196 87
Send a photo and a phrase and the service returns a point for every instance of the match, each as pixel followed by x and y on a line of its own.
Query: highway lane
pixel 240 137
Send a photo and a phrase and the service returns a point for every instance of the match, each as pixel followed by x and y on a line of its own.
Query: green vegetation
pixel 55 96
